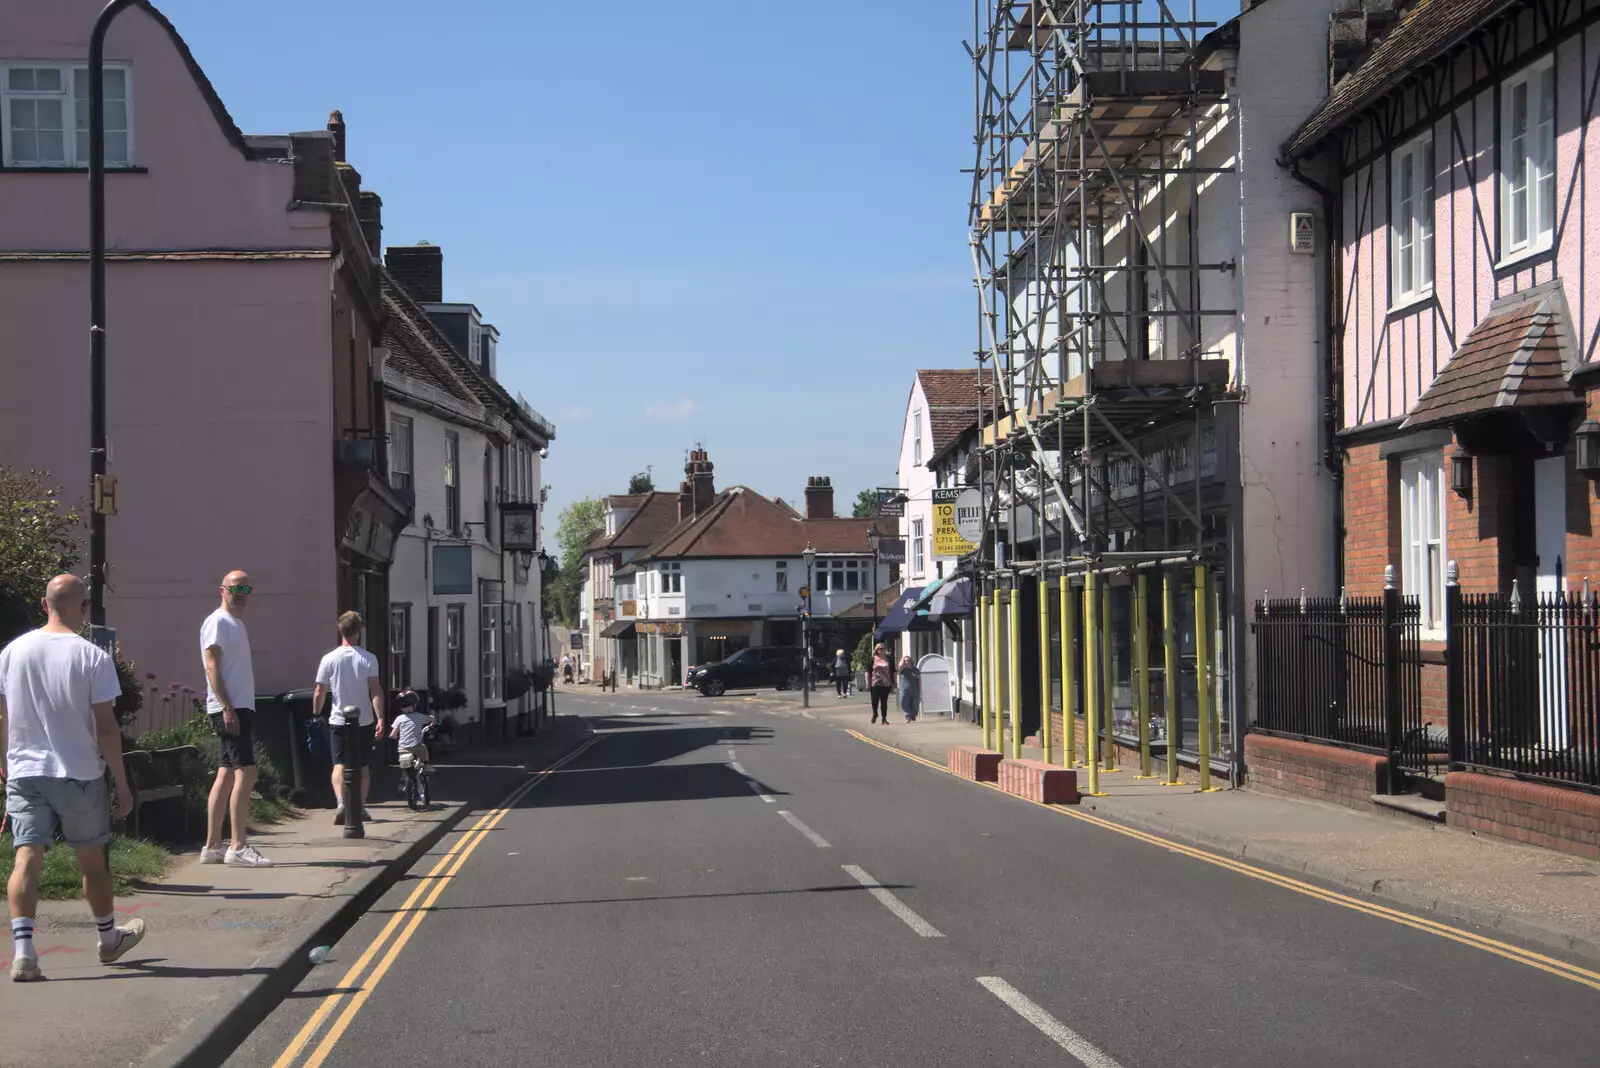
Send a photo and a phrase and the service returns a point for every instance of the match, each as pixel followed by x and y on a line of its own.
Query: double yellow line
pixel 410 916
pixel 1551 965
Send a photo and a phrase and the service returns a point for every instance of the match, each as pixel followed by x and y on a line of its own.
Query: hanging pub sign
pixel 891 503
pixel 519 528
pixel 892 551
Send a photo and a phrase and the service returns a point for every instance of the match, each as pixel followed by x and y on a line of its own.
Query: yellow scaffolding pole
pixel 1169 694
pixel 1046 732
pixel 991 681
pixel 1069 680
pixel 1202 674
pixel 1108 682
pixel 1013 672
pixel 1141 669
pixel 1091 679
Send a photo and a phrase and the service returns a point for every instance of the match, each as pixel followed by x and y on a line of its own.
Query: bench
pixel 144 776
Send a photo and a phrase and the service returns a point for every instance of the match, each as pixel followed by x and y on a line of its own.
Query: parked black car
pixel 760 666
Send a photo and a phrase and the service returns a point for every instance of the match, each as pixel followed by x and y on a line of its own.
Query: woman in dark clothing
pixel 841 674
pixel 882 681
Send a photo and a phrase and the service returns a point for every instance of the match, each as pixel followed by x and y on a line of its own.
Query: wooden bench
pixel 141 765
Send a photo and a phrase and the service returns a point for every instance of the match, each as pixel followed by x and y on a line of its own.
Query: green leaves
pixel 579 522
pixel 39 539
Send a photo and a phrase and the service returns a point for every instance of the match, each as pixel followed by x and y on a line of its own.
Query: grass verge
pixel 132 860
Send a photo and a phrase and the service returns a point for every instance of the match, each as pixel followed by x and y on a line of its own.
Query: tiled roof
pixel 1428 29
pixel 655 513
pixel 953 398
pixel 418 350
pixel 1517 357
pixel 743 523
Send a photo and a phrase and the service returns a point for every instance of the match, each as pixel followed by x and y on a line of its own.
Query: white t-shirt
pixel 226 631
pixel 410 726
pixel 345 671
pixel 50 683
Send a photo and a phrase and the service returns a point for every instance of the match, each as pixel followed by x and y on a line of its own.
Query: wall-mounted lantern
pixel 1587 447
pixel 1461 472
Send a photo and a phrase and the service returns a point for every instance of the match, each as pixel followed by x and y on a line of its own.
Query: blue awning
pixel 901 615
pixel 927 593
pixel 953 601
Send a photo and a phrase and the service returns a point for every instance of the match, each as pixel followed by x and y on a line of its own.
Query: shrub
pixel 270 806
pixel 861 660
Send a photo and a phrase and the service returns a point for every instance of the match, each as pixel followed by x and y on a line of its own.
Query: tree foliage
pixel 38 540
pixel 641 483
pixel 578 523
pixel 866 504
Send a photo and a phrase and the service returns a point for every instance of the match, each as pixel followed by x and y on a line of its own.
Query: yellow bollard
pixel 1108 682
pixel 991 722
pixel 1214 598
pixel 982 638
pixel 1046 732
pixel 1202 674
pixel 1069 679
pixel 1169 638
pixel 1014 672
pixel 1141 669
pixel 1091 680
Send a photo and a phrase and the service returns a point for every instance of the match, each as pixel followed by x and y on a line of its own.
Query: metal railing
pixel 1524 684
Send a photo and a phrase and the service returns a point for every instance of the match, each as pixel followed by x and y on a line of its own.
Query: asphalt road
pixel 711 883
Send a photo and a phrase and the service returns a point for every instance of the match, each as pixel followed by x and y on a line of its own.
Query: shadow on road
pixel 839 888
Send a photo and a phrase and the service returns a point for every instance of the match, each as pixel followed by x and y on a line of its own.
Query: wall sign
pixel 969 515
pixel 948 539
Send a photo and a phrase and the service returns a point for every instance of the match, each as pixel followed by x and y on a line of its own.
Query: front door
pixel 1550 540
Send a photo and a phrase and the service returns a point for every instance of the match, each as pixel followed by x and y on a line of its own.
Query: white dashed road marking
pixel 893 904
pixel 1059 1033
pixel 811 836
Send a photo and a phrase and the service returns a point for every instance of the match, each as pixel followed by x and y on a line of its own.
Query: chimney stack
pixel 336 127
pixel 699 470
pixel 819 497
pixel 369 213
pixel 685 501
pixel 419 269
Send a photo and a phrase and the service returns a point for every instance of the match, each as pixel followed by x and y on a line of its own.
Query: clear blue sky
pixel 734 223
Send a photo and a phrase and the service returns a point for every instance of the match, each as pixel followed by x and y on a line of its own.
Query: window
pixel 400 452
pixel 488 494
pixel 783 577
pixel 1528 160
pixel 916 438
pixel 455 651
pixel 490 621
pixel 399 646
pixel 839 576
pixel 39 113
pixel 433 648
pixel 671 578
pixel 1422 526
pixel 452 482
pixel 1411 220
pixel 916 547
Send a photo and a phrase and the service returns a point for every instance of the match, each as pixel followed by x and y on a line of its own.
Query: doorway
pixel 1550 581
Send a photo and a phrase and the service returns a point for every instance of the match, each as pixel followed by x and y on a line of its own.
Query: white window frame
pixel 1411 221
pixel 1424 520
pixel 1532 151
pixel 399 646
pixel 916 437
pixel 781 581
pixel 917 560
pixel 402 447
pixel 490 620
pixel 69 113
pixel 672 576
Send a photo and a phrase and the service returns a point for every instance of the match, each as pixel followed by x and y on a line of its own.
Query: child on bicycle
pixel 411 729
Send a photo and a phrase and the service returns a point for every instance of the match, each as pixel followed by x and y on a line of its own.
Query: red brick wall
pixel 1540 815
pixel 1038 781
pixel 1371 520
pixel 1583 519
pixel 1312 772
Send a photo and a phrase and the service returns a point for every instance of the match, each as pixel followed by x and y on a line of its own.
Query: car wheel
pixel 791 683
pixel 713 688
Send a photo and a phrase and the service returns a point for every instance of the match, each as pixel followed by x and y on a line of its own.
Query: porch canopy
pixel 902 614
pixel 1519 358
pixel 952 600
pixel 620 629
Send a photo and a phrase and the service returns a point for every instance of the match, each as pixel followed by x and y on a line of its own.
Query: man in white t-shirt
pixel 352 674
pixel 230 700
pixel 58 736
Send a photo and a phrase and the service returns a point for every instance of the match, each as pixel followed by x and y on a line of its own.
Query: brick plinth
pixel 1548 816
pixel 975 763
pixel 1318 772
pixel 1039 781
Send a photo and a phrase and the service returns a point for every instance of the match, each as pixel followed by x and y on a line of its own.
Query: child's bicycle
pixel 416 781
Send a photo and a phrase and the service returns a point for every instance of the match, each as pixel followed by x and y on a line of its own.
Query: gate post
pixel 1392 727
pixel 1455 697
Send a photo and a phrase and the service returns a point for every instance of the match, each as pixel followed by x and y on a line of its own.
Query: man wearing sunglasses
pixel 230 691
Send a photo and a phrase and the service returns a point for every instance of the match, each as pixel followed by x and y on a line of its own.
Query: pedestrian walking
pixel 351 673
pixel 58 739
pixel 910 689
pixel 230 700
pixel 881 681
pixel 841 673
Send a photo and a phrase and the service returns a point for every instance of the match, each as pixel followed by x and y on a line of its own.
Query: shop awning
pixel 620 629
pixel 901 615
pixel 952 601
pixel 928 591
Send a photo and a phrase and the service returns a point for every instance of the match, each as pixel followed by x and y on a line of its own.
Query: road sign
pixel 947 539
pixel 105 494
pixel 805 591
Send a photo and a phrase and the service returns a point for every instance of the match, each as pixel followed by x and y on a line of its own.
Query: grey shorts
pixel 81 808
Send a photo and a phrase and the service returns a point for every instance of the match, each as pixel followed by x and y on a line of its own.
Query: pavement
pixel 224 944
pixel 731 882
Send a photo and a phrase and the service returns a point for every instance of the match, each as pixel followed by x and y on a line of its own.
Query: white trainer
pixel 246 858
pixel 211 856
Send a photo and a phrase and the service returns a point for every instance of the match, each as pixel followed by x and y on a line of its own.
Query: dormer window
pixel 44 115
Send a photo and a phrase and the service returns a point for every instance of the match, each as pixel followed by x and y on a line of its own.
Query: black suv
pixel 759 666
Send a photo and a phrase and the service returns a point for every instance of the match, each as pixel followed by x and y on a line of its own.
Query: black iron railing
pixel 1524 685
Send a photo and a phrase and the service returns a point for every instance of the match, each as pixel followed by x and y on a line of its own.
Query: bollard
pixel 1091 681
pixel 1169 638
pixel 1013 672
pixel 1108 683
pixel 353 827
pixel 1202 675
pixel 1141 669
pixel 1069 675
pixel 985 639
pixel 1046 733
pixel 995 721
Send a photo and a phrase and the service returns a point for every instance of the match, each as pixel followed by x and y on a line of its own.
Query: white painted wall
pixel 917 481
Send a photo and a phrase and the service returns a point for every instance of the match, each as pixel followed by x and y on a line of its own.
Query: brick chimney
pixel 685 501
pixel 336 127
pixel 819 497
pixel 699 470
pixel 419 269
pixel 369 213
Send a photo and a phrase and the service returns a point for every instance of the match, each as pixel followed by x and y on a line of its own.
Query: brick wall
pixel 1535 814
pixel 1312 772
pixel 974 763
pixel 1583 518
pixel 1038 781
pixel 1371 520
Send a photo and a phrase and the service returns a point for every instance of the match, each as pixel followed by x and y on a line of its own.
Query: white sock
pixel 107 926
pixel 22 937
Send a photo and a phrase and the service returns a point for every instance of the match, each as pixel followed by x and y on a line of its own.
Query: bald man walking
pixel 230 695
pixel 58 736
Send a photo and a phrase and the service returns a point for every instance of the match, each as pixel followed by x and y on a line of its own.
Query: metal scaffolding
pixel 1105 317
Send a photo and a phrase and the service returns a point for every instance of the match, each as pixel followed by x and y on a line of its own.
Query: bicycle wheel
pixel 422 789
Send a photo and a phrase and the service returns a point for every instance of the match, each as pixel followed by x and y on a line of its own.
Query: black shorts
pixel 363 745
pixel 236 750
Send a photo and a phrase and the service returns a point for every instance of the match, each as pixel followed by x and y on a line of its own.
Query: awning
pixel 620 629
pixel 901 615
pixel 928 591
pixel 952 601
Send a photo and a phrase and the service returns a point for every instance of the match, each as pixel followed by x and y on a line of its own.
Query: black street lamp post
pixel 810 557
pixel 874 539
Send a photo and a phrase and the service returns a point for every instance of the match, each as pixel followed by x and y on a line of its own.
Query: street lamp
pixel 545 564
pixel 809 555
pixel 874 539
